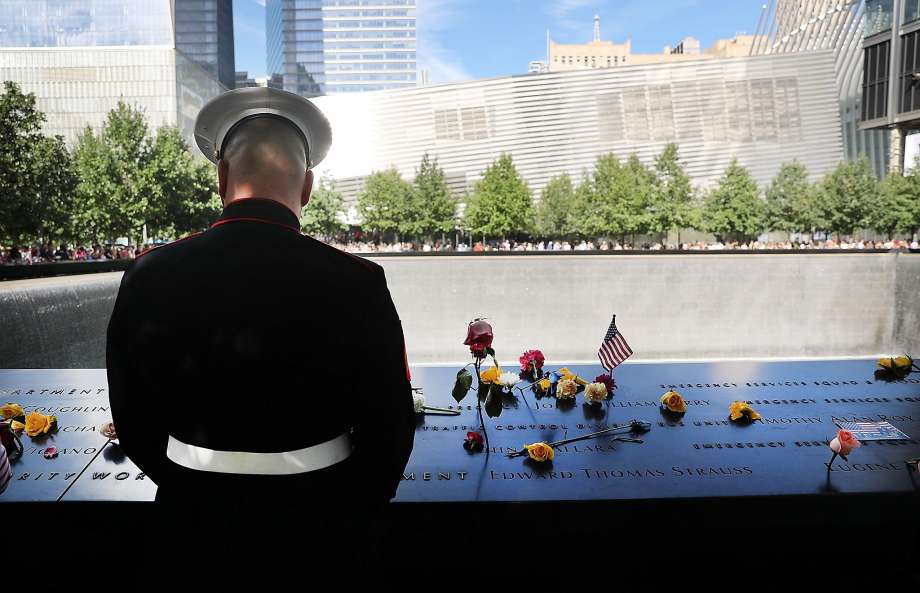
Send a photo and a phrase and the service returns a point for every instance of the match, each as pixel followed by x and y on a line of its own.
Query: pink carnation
pixel 531 358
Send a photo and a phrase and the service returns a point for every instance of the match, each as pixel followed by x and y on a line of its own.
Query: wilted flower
pixel 50 452
pixel 543 385
pixel 739 410
pixel 595 393
pixel 478 337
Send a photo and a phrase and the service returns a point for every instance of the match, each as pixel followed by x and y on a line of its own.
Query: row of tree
pixel 123 181
pixel 626 198
pixel 118 181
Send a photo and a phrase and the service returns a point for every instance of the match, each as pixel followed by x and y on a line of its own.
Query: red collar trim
pixel 251 219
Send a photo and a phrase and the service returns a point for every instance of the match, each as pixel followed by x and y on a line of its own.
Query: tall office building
pixel 204 33
pixel 80 57
pixel 341 46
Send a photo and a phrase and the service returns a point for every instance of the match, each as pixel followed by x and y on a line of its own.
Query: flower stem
pixel 443 411
pixel 482 424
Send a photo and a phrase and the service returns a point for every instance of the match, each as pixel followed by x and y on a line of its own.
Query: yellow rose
pixel 540 452
pixel 569 375
pixel 17 426
pixel 742 410
pixel 490 375
pixel 674 402
pixel 37 423
pixel 543 384
pixel 896 363
pixel 566 389
pixel 11 411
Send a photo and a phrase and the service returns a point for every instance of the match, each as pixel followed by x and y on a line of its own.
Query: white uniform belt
pixel 269 464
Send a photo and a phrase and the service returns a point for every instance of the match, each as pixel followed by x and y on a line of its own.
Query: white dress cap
pixel 223 112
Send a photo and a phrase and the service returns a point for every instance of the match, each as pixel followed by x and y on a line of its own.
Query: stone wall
pixel 667 306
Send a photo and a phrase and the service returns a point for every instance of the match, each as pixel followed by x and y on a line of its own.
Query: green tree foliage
pixel 37 177
pixel 179 188
pixel 382 204
pixel 556 214
pixel 615 198
pixel 672 205
pixel 790 201
pixel 501 203
pixel 845 197
pixel 322 216
pixel 436 208
pixel 897 209
pixel 734 206
pixel 129 179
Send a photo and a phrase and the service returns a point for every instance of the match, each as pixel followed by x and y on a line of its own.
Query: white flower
pixel 418 399
pixel 508 379
pixel 595 393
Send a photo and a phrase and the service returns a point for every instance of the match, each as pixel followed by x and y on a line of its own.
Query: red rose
pixel 478 337
pixel 608 382
pixel 473 441
pixel 530 359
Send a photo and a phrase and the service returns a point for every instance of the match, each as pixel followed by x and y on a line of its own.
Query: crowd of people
pixel 605 245
pixel 46 253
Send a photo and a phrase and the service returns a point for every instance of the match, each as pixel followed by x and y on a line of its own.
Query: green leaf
pixel 494 402
pixel 491 353
pixel 462 385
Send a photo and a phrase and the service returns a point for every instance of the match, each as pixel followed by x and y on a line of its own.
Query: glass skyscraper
pixel 80 57
pixel 339 46
pixel 204 33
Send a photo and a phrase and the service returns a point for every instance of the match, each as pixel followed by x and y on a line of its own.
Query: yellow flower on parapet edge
pixel 38 423
pixel 543 384
pixel 896 363
pixel 674 402
pixel 739 410
pixel 17 426
pixel 540 452
pixel 8 411
pixel 490 375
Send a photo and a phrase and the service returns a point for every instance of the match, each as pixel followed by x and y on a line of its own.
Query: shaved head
pixel 266 157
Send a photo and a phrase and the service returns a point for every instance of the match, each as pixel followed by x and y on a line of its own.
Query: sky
pixel 469 39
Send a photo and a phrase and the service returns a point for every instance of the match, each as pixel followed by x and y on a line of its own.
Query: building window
pixel 910 68
pixel 875 81
pixel 911 10
pixel 878 17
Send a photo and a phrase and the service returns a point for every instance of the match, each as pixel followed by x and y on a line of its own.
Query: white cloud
pixel 434 17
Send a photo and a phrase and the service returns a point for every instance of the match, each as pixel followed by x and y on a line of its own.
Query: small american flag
pixel 614 348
